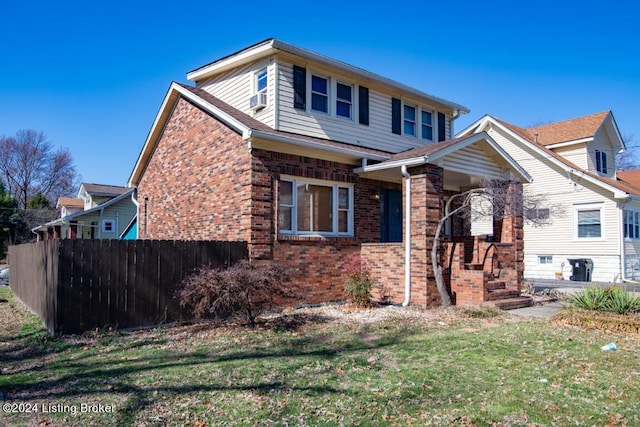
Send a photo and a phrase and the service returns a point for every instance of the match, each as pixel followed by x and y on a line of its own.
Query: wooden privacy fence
pixel 78 285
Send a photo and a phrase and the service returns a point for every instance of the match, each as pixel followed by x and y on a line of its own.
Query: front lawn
pixel 322 367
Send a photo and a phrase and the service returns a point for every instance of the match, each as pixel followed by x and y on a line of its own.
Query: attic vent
pixel 258 101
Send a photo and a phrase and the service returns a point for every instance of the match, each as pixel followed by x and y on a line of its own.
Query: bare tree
pixel 492 200
pixel 628 159
pixel 30 165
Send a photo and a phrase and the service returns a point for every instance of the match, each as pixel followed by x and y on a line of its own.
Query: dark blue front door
pixel 391 213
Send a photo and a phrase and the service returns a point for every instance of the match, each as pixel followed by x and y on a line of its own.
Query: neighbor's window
pixel 601 161
pixel 588 219
pixel 108 226
pixel 344 97
pixel 409 120
pixel 631 224
pixel 545 259
pixel 315 207
pixel 427 125
pixel 319 94
pixel 261 81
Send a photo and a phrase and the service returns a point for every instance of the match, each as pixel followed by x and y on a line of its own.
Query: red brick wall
pixel 197 183
pixel 386 262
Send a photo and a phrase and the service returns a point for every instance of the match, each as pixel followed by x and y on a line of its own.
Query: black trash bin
pixel 581 269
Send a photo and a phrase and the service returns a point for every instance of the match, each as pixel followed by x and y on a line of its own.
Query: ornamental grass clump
pixel 610 299
pixel 359 281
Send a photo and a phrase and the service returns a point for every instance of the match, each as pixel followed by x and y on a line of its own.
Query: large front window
pixel 588 221
pixel 315 207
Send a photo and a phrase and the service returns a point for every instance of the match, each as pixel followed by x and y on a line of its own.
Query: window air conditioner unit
pixel 258 101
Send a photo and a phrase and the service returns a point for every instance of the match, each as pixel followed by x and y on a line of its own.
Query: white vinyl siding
pixel 558 236
pixel 238 85
pixel 377 135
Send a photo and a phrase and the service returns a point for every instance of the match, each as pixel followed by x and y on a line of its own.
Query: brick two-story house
pixel 311 161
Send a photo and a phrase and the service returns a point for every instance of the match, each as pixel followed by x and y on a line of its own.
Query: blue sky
pixel 92 74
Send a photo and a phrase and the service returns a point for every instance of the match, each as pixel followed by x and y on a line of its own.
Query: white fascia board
pixel 478 124
pixel 232 61
pixel 617 193
pixel 252 133
pixel 568 143
pixel 415 161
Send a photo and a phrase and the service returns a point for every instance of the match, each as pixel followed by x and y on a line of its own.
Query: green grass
pixel 465 370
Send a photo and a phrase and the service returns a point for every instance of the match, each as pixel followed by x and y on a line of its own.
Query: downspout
pixel 407 237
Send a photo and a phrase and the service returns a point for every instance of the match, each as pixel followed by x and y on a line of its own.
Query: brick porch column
pixel 426 210
pixel 509 228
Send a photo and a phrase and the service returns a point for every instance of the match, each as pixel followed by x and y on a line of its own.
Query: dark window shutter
pixel 299 87
pixel 396 116
pixel 363 105
pixel 442 127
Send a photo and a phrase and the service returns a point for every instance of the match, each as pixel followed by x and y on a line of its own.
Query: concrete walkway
pixel 544 310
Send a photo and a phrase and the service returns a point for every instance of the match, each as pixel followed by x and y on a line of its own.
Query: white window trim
pixel 104 226
pixel 419 109
pixel 255 80
pixel 330 98
pixel 545 257
pixel 635 220
pixel 588 207
pixel 433 124
pixel 335 185
pixel 334 87
pixel 604 167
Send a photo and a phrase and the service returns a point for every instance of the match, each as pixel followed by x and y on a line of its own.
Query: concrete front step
pixel 498 294
pixel 513 303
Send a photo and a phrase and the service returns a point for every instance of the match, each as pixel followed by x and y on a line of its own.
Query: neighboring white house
pixel 99 212
pixel 590 213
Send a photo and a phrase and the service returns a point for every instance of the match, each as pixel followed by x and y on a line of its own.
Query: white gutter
pixel 407 238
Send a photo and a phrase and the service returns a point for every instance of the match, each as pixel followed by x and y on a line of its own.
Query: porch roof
pixel 465 161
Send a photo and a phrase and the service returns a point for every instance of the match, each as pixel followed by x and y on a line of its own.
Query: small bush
pixel 359 283
pixel 612 299
pixel 244 289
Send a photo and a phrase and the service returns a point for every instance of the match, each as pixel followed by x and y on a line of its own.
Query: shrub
pixel 613 299
pixel 242 290
pixel 359 282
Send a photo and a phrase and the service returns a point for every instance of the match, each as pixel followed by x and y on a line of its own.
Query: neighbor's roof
pixel 70 202
pixel 568 130
pixel 104 190
pixel 631 177
pixel 556 134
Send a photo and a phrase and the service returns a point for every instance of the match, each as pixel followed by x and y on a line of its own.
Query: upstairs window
pixel 314 207
pixel 427 125
pixel 261 81
pixel 601 161
pixel 319 94
pixel 409 120
pixel 344 100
